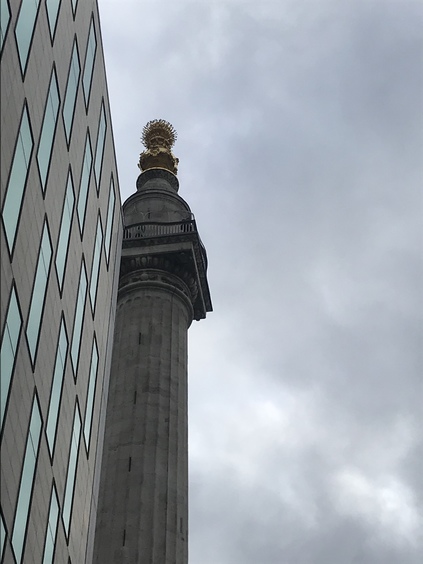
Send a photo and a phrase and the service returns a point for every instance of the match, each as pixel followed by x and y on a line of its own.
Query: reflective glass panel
pixel 48 129
pixel 90 394
pixel 4 20
pixel 65 229
pixel 25 28
pixel 9 345
pixel 89 63
pixel 79 316
pixel 27 480
pixel 52 13
pixel 39 292
pixel 56 386
pixel 101 137
pixel 17 180
pixel 85 182
pixel 70 479
pixel 96 264
pixel 53 518
pixel 109 223
pixel 71 92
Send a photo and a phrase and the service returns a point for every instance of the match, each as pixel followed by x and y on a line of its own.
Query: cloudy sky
pixel 300 139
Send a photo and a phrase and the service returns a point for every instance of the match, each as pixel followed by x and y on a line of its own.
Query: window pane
pixel 101 137
pixel 53 517
pixel 70 480
pixel 89 62
pixel 4 23
pixel 85 182
pixel 71 92
pixel 74 5
pixel 18 175
pixel 90 394
pixel 9 345
pixel 25 28
pixel 79 316
pixel 39 291
pixel 52 13
pixel 47 133
pixel 27 480
pixel 110 216
pixel 56 387
pixel 65 229
pixel 96 264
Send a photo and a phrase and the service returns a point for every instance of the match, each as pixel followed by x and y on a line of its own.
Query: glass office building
pixel 60 250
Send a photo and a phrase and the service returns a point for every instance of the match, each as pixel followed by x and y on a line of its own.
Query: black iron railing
pixel 144 230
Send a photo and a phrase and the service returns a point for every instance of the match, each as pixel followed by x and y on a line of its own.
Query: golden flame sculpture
pixel 158 136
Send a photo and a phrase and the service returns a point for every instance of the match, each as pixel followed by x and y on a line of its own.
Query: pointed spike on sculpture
pixel 158 136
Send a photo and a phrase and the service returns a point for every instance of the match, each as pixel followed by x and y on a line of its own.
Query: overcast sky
pixel 300 139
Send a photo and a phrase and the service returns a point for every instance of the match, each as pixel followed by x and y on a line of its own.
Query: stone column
pixel 143 517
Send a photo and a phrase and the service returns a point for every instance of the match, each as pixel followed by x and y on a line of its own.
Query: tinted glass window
pixel 53 518
pixel 9 346
pixel 27 480
pixel 96 264
pixel 52 13
pixel 38 293
pixel 109 223
pixel 4 23
pixel 90 394
pixel 48 129
pixel 89 63
pixel 101 137
pixel 72 465
pixel 65 229
pixel 17 180
pixel 85 182
pixel 79 316
pixel 71 92
pixel 25 28
pixel 56 387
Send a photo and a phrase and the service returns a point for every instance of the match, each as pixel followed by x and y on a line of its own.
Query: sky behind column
pixel 300 139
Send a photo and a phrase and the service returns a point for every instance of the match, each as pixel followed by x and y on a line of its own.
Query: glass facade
pixel 65 231
pixel 27 482
pixel 72 467
pixel 89 63
pixel 17 180
pixel 85 182
pixel 36 308
pixel 79 318
pixel 89 407
pixel 45 147
pixel 9 346
pixel 55 204
pixel 56 387
pixel 71 92
pixel 53 520
pixel 25 28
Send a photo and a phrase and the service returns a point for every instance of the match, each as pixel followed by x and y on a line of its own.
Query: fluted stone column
pixel 142 515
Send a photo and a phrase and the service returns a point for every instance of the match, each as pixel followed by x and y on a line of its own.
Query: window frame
pixel 108 231
pixel 61 278
pixel 90 396
pixel 95 276
pixel 56 120
pixel 87 95
pixel 5 398
pixel 68 134
pixel 3 39
pixel 53 32
pixel 51 443
pixel 84 191
pixel 18 143
pixel 75 364
pixel 98 160
pixel 29 441
pixel 53 496
pixel 66 492
pixel 34 25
